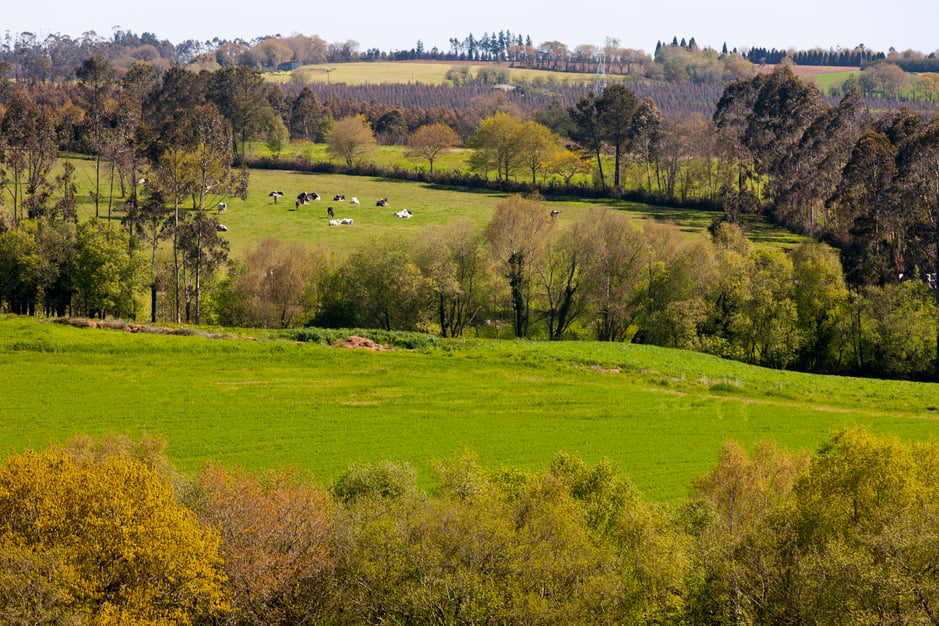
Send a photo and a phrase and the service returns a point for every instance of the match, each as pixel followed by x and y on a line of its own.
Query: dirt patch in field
pixel 354 342
pixel 811 70
pixel 130 327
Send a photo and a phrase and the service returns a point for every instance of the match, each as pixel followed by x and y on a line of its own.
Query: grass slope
pixel 661 415
pixel 257 218
pixel 406 72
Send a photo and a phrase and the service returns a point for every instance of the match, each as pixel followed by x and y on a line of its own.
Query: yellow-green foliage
pixel 106 540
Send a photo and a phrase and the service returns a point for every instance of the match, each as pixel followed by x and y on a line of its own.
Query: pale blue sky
pixel 390 25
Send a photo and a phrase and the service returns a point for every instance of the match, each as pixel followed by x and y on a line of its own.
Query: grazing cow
pixel 297 205
pixel 346 220
pixel 354 201
pixel 383 202
pixel 221 207
pixel 313 196
pixel 554 214
pixel 276 195
pixel 403 214
pixel 221 228
pixel 329 212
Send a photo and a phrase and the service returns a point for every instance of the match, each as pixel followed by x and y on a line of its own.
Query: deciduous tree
pixel 517 235
pixel 108 540
pixel 274 531
pixel 350 140
pixel 431 141
pixel 497 145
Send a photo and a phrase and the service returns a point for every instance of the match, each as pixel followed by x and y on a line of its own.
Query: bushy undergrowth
pixel 765 537
pixel 393 339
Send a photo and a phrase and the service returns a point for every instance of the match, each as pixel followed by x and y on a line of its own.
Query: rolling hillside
pixel 660 414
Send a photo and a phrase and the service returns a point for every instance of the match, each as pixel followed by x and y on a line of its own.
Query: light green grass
pixel 424 72
pixel 260 405
pixel 257 218
pixel 825 82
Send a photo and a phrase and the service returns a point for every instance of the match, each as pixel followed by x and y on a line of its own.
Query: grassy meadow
pixel 660 414
pixel 404 72
pixel 257 218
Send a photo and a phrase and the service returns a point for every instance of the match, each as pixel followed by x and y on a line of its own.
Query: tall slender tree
pixel 96 78
pixel 615 109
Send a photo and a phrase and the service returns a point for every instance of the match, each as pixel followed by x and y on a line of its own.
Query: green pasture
pixel 424 72
pixel 825 82
pixel 257 218
pixel 660 415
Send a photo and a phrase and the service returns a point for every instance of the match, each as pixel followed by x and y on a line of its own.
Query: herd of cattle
pixel 306 197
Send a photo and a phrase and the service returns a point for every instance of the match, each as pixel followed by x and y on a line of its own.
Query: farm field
pixel 257 218
pixel 660 415
pixel 425 72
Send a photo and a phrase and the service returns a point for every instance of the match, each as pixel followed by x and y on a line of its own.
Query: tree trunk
pixel 516 280
pixel 442 312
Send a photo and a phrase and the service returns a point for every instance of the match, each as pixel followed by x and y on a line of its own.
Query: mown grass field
pixel 424 72
pixel 661 415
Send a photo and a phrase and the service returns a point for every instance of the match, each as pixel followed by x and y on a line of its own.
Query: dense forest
pixel 109 532
pixel 859 179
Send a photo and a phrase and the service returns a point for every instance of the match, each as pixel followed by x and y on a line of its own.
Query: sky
pixel 799 24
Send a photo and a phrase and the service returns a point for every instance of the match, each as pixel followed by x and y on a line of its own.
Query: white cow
pixel 403 214
pixel 334 222
pixel 221 207
pixel 346 220
pixel 354 201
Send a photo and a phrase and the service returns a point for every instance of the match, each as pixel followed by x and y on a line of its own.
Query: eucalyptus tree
pixel 28 152
pixel 616 109
pixel 196 164
pixel 588 129
pixel 646 135
pixel 918 165
pixel 305 115
pixel 97 79
pixel 241 95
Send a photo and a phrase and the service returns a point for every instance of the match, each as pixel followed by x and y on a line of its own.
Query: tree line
pixel 839 58
pixel 108 531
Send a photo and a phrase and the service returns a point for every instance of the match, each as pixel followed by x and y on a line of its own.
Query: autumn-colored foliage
pixel 275 532
pixel 102 542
